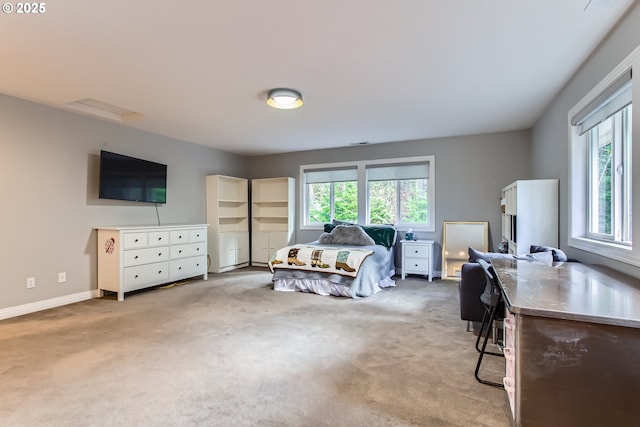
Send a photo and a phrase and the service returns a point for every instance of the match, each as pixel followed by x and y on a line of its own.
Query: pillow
pixel 543 257
pixel 347 235
pixel 475 255
pixel 383 235
pixel 558 255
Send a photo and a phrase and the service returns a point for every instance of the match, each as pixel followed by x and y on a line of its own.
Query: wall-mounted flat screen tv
pixel 128 178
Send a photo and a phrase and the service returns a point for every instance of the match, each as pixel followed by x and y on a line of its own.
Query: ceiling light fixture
pixel 285 99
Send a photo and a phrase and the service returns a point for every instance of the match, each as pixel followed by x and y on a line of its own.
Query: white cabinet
pixel 132 258
pixel 231 249
pixel 272 217
pixel 265 243
pixel 228 216
pixel 417 257
pixel 530 214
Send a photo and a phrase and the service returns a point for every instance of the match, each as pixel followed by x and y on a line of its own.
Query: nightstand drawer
pixel 417 251
pixel 416 264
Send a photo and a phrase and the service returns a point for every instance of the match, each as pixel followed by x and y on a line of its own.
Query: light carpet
pixel 230 351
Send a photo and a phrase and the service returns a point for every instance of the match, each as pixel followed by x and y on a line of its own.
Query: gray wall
pixel 470 173
pixel 48 185
pixel 550 137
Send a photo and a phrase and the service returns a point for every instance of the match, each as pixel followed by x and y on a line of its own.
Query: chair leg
pixel 492 318
pixel 468 325
pixel 485 325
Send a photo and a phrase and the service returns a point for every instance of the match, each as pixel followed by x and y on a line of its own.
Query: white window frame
pixel 363 205
pixel 578 179
pixel 619 184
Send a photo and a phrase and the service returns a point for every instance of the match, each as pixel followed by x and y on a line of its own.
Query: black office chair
pixel 494 312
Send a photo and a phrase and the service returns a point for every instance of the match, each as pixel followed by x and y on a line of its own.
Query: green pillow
pixel 383 235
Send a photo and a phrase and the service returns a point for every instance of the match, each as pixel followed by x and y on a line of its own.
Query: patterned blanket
pixel 343 261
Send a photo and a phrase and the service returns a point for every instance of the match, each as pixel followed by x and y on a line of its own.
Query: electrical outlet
pixel 62 277
pixel 31 282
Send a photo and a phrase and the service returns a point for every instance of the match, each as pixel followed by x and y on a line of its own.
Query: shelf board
pixel 271 217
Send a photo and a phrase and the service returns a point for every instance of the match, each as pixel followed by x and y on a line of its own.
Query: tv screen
pixel 128 178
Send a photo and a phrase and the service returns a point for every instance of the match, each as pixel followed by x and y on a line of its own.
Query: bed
pixel 348 260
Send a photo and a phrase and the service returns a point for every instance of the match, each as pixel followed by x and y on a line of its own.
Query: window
pixel 601 168
pixel 398 194
pixel 609 196
pixel 394 191
pixel 331 194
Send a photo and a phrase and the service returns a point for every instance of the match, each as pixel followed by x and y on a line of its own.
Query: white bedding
pixel 375 273
pixel 324 286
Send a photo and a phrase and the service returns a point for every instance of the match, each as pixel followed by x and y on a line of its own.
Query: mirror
pixel 457 236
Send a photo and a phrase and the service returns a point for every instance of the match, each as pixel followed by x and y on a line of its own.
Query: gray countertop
pixel 570 290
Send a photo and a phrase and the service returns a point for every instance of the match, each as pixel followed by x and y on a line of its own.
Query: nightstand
pixel 417 257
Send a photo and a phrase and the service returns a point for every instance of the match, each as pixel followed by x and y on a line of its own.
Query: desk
pixel 572 334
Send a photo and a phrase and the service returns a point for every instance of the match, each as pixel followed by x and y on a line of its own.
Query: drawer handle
pixel 509 385
pixel 159 238
pixel 179 268
pixel 136 257
pixel 180 251
pixel 159 271
pixel 159 253
pixel 180 236
pixel 416 251
pixel 135 241
pixel 197 249
pixel 197 235
pixel 508 353
pixel 136 276
pixel 415 265
pixel 197 264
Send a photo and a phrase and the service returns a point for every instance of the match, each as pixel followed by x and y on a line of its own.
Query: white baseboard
pixel 19 310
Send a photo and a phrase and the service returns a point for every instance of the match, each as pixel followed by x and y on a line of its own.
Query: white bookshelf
pixel 272 217
pixel 228 216
pixel 530 214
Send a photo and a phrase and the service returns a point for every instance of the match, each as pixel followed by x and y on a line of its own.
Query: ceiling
pixel 369 70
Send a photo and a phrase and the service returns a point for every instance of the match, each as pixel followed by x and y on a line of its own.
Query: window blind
pixel 613 99
pixel 316 176
pixel 404 171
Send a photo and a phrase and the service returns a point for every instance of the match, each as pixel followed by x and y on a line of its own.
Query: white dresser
pixel 417 257
pixel 132 258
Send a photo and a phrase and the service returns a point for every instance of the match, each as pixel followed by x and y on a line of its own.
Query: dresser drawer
pixel 134 240
pixel 158 238
pixel 145 256
pixel 179 236
pixel 188 267
pixel 417 251
pixel 197 235
pixel 188 250
pixel 143 275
